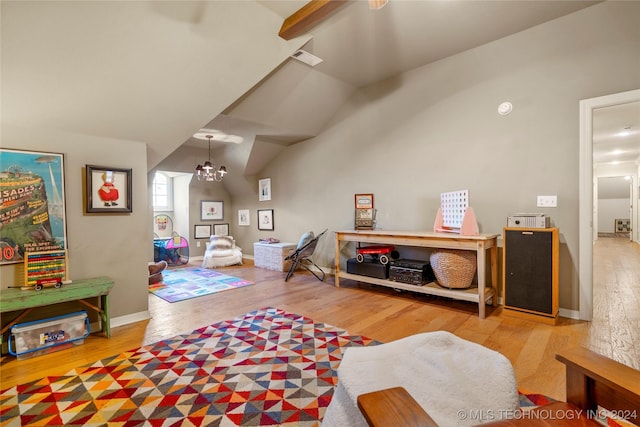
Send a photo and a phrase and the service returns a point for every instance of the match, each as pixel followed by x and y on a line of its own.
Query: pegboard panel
pixel 454 204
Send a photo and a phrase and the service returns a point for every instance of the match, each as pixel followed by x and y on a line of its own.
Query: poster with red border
pixel 32 203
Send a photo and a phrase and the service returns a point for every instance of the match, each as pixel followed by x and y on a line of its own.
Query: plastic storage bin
pixel 45 336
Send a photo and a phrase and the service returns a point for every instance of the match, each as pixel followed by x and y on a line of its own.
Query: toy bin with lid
pixel 39 337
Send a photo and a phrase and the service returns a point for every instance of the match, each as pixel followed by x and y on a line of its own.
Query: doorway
pixel 614 211
pixel 588 195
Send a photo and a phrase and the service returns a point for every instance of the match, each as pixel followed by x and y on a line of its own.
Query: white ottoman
pixel 454 380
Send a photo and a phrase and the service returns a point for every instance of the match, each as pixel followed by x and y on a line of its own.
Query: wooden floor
pixel 386 315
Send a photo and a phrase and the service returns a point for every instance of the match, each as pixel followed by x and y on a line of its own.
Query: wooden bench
pixel 592 380
pixel 26 300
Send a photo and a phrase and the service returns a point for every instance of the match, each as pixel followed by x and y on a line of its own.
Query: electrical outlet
pixel 198 244
pixel 547 201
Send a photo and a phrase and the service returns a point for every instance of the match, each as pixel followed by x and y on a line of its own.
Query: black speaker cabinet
pixel 530 280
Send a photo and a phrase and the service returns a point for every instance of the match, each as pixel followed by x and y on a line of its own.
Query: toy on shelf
pixel 44 269
pixel 455 215
pixel 378 253
pixel 365 214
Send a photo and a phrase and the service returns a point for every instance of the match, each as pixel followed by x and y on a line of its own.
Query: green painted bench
pixel 79 290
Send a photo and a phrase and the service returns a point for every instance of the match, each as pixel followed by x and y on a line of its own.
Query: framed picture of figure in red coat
pixel 108 189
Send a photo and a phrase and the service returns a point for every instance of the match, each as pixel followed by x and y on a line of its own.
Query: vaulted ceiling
pixel 157 72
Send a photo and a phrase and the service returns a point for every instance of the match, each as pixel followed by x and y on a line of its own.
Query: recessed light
pixel 505 108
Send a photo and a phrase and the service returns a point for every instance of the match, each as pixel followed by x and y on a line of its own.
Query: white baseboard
pixel 130 318
pixel 571 314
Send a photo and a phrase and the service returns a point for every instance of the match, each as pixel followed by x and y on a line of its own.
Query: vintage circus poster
pixel 32 205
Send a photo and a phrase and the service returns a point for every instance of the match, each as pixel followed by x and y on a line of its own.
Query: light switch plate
pixel 547 201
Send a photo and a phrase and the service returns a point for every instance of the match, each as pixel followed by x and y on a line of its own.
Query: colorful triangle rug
pixel 189 282
pixel 268 367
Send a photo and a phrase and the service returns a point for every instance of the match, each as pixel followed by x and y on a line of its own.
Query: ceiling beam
pixel 308 16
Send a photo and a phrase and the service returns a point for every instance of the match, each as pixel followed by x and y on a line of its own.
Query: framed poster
pixel 243 217
pixel 211 210
pixel 108 189
pixel 265 219
pixel 264 189
pixel 201 231
pixel 32 204
pixel 221 229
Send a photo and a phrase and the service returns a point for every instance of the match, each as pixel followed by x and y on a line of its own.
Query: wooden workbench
pixel 480 244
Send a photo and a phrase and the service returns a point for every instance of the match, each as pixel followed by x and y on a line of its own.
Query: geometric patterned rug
pixel 266 368
pixel 190 282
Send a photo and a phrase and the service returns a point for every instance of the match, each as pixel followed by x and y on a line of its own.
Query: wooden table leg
pixel 493 253
pixel 337 276
pixel 106 318
pixel 481 260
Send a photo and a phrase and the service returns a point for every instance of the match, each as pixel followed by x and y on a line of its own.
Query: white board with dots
pixel 454 204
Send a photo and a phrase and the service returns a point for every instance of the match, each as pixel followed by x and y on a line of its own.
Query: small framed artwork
pixel 221 229
pixel 243 217
pixel 211 210
pixel 364 201
pixel 108 189
pixel 202 231
pixel 264 189
pixel 265 219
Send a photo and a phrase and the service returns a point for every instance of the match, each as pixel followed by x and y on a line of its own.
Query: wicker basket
pixel 453 269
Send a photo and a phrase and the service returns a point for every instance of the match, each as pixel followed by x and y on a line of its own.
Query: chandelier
pixel 208 171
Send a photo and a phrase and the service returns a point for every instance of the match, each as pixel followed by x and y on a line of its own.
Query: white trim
pixel 585 205
pixel 130 318
pixel 571 314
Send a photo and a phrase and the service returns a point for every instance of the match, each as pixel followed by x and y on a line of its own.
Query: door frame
pixel 585 235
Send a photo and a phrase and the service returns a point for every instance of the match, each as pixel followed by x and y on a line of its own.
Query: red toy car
pixel 47 283
pixel 379 253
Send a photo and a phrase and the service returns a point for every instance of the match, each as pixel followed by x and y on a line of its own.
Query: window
pixel 162 192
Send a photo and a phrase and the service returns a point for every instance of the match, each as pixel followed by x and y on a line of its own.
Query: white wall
pixel 436 129
pixel 609 210
pixel 115 245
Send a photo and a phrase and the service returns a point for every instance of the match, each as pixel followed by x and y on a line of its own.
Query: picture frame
pixel 34 185
pixel 202 231
pixel 264 189
pixel 108 189
pixel 211 210
pixel 364 201
pixel 221 229
pixel 243 217
pixel 265 219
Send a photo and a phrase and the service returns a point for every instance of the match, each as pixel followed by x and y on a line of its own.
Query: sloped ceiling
pixel 157 72
pixel 360 46
pixel 153 72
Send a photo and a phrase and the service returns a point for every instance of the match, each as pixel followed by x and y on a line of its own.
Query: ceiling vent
pixel 306 57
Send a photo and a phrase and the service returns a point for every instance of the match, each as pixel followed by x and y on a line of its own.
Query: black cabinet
pixel 530 279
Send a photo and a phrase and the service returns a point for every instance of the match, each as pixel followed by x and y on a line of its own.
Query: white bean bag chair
pixel 454 380
pixel 221 252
